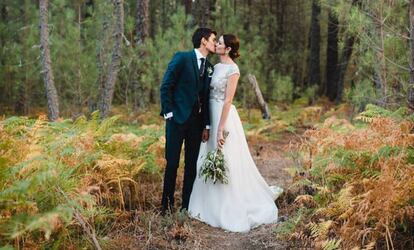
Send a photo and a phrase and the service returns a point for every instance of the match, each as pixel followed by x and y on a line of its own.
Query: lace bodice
pixel 219 79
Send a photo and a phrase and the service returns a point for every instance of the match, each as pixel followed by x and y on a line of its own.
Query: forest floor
pixel 271 159
pixel 178 232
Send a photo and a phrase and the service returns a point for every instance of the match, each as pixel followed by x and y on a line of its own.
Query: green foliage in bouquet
pixel 214 166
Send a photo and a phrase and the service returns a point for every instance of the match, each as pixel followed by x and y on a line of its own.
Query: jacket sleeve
pixel 169 82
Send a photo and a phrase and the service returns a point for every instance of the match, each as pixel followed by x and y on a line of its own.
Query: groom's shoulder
pixel 187 54
pixel 182 55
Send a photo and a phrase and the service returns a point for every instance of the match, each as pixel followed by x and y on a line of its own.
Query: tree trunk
pixel 410 92
pixel 109 86
pixel 188 6
pixel 332 57
pixel 78 102
pixel 343 65
pixel 381 53
pixel 344 60
pixel 276 41
pixel 22 102
pixel 142 21
pixel 202 12
pixel 3 14
pixel 101 58
pixel 142 29
pixel 314 44
pixel 259 96
pixel 51 93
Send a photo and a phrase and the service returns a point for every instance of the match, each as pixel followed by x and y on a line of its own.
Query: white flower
pixel 210 71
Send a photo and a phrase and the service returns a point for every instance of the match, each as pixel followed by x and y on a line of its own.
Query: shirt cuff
pixel 207 126
pixel 168 115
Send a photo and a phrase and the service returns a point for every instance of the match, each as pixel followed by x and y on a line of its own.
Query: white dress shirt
pixel 199 56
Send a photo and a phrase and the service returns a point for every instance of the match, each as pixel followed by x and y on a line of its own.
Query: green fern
pixel 374 111
pixel 332 244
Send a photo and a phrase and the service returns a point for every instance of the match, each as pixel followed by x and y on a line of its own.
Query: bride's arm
pixel 230 91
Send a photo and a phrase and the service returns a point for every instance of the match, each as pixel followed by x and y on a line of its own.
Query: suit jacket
pixel 182 88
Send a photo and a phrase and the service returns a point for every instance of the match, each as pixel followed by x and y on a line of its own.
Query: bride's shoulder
pixel 234 65
pixel 233 69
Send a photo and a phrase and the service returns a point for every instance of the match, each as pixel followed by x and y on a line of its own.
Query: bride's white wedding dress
pixel 246 201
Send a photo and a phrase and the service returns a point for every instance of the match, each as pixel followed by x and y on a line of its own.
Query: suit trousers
pixel 176 134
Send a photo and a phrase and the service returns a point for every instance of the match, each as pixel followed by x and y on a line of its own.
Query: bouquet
pixel 214 166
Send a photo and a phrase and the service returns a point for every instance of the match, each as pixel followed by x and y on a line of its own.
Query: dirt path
pixel 271 159
pixel 149 230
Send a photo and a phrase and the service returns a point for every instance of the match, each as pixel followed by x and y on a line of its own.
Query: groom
pixel 184 93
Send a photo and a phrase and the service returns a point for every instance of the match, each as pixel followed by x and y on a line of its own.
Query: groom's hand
pixel 205 135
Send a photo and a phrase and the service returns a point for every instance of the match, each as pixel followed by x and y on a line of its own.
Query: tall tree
pixel 314 44
pixel 188 6
pixel 345 58
pixel 276 39
pixel 22 100
pixel 142 33
pixel 343 66
pixel 51 93
pixel 142 21
pixel 3 16
pixel 107 91
pixel 332 57
pixel 202 12
pixel 410 93
pixel 4 32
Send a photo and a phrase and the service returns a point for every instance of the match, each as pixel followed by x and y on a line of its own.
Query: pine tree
pixel 51 93
pixel 107 91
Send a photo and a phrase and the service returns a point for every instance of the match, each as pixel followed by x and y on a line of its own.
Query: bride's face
pixel 221 47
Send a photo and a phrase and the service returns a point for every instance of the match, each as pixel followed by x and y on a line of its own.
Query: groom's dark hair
pixel 199 34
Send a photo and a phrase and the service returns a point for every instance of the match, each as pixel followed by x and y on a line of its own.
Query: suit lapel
pixel 196 70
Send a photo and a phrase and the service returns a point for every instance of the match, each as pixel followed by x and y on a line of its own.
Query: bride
pixel 246 201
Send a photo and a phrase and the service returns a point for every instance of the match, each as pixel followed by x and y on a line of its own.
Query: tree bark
pixel 410 92
pixel 263 106
pixel 344 60
pixel 188 6
pixel 202 12
pixel 142 29
pixel 332 57
pixel 22 102
pixel 51 93
pixel 3 14
pixel 142 21
pixel 276 41
pixel 109 86
pixel 343 66
pixel 381 52
pixel 314 44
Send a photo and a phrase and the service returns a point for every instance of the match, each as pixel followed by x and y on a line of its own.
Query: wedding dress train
pixel 246 201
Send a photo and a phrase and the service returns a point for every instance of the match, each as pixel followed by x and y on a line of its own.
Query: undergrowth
pixel 358 181
pixel 62 184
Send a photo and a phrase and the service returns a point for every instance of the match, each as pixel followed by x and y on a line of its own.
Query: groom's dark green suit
pixel 185 94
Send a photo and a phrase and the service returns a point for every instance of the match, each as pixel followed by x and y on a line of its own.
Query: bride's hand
pixel 220 138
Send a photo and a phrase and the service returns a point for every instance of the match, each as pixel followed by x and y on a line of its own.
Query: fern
pixel 364 181
pixel 373 111
pixel 92 166
pixel 331 244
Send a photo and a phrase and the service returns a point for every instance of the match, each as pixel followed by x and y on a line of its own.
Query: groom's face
pixel 210 43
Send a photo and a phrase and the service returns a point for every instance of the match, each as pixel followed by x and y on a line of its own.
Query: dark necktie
pixel 202 66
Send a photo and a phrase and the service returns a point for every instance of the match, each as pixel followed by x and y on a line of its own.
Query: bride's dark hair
pixel 233 42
